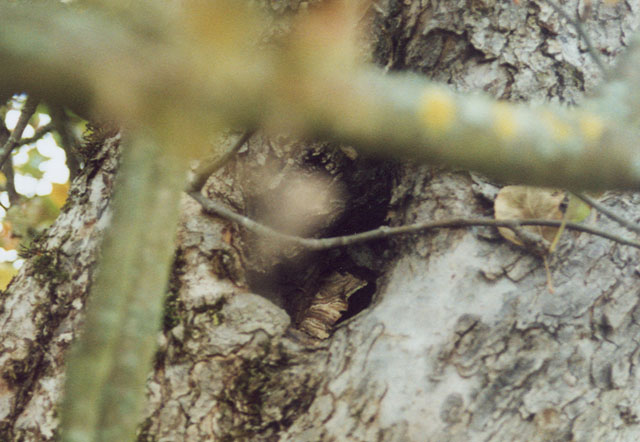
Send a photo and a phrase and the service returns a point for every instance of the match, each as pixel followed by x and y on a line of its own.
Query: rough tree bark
pixel 460 340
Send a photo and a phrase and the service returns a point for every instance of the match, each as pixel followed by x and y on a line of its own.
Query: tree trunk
pixel 456 335
pixel 41 310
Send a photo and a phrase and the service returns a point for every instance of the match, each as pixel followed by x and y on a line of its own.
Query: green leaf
pixel 577 210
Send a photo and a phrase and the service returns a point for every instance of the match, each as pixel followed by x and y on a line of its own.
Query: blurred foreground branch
pixel 109 363
pixel 205 65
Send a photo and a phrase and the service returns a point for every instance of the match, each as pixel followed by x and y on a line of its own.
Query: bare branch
pixel 12 142
pixel 608 212
pixel 10 186
pixel 28 110
pixel 38 134
pixel 205 170
pixel 214 208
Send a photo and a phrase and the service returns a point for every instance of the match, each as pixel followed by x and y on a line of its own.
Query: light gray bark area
pixel 224 370
pixel 518 52
pixel 40 311
pixel 468 344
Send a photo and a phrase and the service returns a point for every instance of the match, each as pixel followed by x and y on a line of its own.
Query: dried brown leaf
pixel 524 202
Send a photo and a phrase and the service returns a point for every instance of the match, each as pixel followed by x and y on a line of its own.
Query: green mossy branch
pixel 108 365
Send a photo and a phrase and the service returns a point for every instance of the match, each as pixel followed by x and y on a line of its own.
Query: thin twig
pixel 10 186
pixel 39 133
pixel 608 212
pixel 4 136
pixel 582 33
pixel 28 110
pixel 204 171
pixel 214 208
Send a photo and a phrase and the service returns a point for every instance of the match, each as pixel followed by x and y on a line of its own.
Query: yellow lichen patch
pixel 437 110
pixel 559 130
pixel 504 121
pixel 591 127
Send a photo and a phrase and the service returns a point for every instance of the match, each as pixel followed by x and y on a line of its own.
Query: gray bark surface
pixel 40 312
pixel 463 341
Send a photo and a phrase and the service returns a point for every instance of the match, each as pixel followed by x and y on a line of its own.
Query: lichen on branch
pixel 175 66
